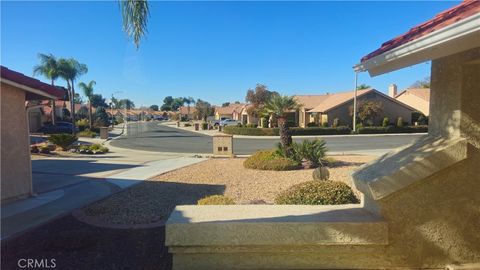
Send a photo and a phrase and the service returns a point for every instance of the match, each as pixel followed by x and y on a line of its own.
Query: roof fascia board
pixel 444 35
pixel 28 89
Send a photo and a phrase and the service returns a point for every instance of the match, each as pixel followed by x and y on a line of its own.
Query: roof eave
pixel 460 36
pixel 29 89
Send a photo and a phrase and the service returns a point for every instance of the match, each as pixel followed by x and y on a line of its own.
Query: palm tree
pixel 189 101
pixel 48 68
pixel 70 69
pixel 279 106
pixel 135 15
pixel 88 92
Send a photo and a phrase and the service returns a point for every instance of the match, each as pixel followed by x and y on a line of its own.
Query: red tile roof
pixel 19 78
pixel 441 20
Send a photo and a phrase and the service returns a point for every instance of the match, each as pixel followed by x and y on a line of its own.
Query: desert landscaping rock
pixel 152 201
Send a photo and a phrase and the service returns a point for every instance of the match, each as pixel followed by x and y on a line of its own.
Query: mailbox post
pixel 223 145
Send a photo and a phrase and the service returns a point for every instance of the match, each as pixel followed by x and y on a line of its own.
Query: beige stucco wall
pixel 218 116
pixel 414 101
pixel 15 155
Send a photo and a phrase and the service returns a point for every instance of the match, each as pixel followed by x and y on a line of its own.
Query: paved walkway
pixel 65 184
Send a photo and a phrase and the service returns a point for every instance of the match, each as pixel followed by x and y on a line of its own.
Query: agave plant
pixel 313 151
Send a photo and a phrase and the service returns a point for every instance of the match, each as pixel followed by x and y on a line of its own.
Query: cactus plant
pixel 321 173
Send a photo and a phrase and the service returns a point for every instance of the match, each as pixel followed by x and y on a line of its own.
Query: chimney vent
pixel 392 90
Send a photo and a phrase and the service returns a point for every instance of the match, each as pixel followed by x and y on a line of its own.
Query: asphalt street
pixel 152 136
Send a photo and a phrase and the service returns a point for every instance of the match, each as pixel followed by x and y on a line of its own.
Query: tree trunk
pixel 72 105
pixel 285 136
pixel 90 114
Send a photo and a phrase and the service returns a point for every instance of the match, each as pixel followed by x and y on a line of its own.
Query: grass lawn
pixel 152 201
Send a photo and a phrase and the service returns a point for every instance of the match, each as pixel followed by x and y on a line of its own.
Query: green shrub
pixel 44 149
pixel 313 151
pixel 265 122
pixel 317 193
pixel 324 124
pixel 269 160
pixel 336 122
pixel 63 140
pixel 385 122
pixel 312 124
pixel 187 124
pixel 82 124
pixel 204 126
pixel 93 149
pixel 422 120
pixel 295 131
pixel 251 125
pixel 216 200
pixel 399 122
pixel 87 133
pixel 392 129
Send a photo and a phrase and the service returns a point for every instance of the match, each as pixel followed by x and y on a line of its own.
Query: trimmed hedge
pixel 317 193
pixel 392 129
pixel 216 200
pixel 269 160
pixel 295 131
pixel 63 140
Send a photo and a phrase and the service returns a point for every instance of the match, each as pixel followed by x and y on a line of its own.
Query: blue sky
pixel 214 50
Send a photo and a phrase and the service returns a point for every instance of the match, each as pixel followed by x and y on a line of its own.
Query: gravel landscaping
pixel 154 199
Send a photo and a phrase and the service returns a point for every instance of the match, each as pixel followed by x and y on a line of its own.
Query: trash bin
pixel 104 133
pixel 197 126
pixel 178 124
pixel 220 128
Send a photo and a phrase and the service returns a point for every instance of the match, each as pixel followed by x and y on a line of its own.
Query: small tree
pixel 368 111
pixel 425 83
pixel 258 97
pixel 363 86
pixel 399 122
pixel 154 108
pixel 101 117
pixel 203 109
pixel 278 106
pixel 385 122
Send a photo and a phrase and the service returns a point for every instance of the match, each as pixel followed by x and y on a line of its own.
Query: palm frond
pixel 135 15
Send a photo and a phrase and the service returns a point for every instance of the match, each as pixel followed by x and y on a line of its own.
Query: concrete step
pixel 251 225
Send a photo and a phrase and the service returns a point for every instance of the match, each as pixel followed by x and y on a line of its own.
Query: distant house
pixel 231 111
pixel 328 107
pixel 187 112
pixel 246 117
pixel 418 98
pixel 17 91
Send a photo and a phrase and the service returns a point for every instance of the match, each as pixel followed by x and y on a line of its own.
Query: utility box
pixel 223 145
pixel 178 124
pixel 104 133
pixel 197 126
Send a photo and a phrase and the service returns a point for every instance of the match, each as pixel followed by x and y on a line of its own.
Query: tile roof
pixel 310 101
pixel 333 100
pixel 230 109
pixel 22 79
pixel 423 93
pixel 441 20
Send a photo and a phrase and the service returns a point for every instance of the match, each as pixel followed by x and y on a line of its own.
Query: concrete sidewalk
pixel 65 184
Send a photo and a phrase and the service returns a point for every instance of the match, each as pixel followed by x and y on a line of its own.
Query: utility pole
pixel 355 103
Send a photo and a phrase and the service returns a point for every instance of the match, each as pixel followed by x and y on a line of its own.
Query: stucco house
pixel 420 203
pixel 418 98
pixel 15 91
pixel 231 111
pixel 320 109
pixel 186 112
